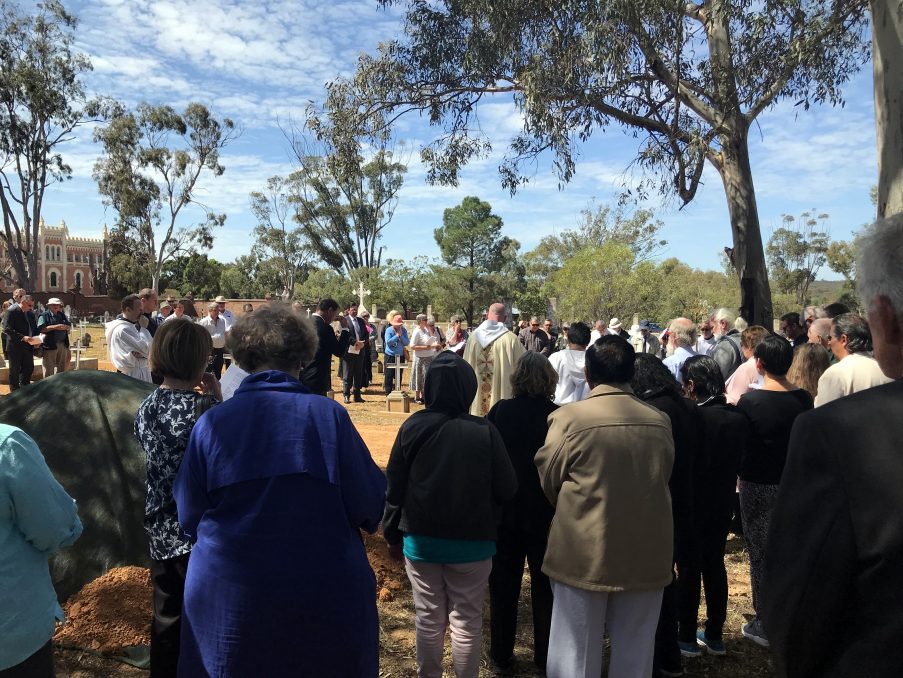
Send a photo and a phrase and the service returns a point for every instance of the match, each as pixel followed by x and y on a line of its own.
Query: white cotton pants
pixel 579 621
pixel 449 594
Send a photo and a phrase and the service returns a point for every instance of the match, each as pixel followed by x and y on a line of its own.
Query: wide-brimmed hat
pixel 220 300
pixel 644 325
pixel 614 324
pixel 53 301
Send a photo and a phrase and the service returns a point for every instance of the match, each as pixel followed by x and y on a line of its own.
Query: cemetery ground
pixel 114 611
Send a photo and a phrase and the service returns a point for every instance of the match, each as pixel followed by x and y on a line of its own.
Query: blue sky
pixel 260 63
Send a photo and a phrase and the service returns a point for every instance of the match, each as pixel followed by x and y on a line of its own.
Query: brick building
pixel 65 262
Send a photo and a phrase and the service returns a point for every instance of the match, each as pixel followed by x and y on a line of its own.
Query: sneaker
pixel 690 650
pixel 754 631
pixel 715 647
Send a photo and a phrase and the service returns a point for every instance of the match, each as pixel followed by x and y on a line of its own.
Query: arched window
pixel 78 280
pixel 59 254
pixel 53 278
pixel 47 252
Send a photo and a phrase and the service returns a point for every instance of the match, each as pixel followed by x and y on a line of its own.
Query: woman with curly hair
pixel 274 489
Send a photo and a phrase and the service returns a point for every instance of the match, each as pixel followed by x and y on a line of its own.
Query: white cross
pixel 361 293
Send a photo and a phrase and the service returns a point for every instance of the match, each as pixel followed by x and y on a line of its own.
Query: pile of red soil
pixel 114 611
pixel 390 574
pixel 109 613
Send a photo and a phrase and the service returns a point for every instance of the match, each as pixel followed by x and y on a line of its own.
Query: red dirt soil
pixel 114 611
pixel 109 613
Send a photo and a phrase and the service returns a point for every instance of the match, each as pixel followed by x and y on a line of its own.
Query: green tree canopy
pixel 343 200
pixel 480 263
pixel 279 245
pixel 42 102
pixel 796 253
pixel 152 160
pixel 688 78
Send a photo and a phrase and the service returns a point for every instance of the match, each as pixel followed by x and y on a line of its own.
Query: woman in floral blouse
pixel 165 419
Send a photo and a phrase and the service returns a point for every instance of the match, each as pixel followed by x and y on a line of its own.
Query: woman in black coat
pixel 654 384
pixel 723 436
pixel 521 420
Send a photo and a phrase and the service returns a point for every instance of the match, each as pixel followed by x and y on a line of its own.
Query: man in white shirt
pixel 224 313
pixel 216 326
pixel 706 342
pixel 129 341
pixel 570 366
pixel 598 331
pixel 855 370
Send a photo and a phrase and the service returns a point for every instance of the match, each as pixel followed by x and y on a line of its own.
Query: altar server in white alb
pixel 129 341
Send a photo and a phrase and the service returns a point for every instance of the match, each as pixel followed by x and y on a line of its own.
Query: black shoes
pixel 357 398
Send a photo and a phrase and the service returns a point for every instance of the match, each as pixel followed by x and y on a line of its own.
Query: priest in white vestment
pixel 492 351
pixel 128 341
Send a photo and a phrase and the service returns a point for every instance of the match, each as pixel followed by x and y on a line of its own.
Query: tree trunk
pixel 748 256
pixel 887 57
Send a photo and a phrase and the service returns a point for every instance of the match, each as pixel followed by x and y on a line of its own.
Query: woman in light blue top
pixel 395 342
pixel 37 518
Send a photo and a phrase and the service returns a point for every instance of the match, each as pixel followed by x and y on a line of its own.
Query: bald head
pixel 820 331
pixel 497 312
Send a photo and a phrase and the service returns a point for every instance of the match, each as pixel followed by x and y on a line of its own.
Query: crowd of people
pixel 614 467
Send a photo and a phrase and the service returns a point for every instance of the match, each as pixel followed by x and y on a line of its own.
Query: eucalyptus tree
pixel 152 161
pixel 687 78
pixel 42 102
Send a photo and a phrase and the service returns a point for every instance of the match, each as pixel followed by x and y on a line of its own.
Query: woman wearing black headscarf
pixel 448 476
pixel 654 384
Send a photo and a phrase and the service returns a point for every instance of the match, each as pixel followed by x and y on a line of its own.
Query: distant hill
pixel 825 290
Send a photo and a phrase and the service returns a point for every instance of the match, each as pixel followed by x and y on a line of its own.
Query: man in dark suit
pixel 833 581
pixel 317 373
pixel 21 332
pixel 353 360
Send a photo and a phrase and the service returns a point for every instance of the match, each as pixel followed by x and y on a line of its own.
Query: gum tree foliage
pixel 149 171
pixel 322 283
pixel 604 281
pixel 279 242
pixel 479 262
pixel 343 200
pixel 402 284
pixel 243 279
pixel 195 273
pixel 42 102
pixel 796 253
pixel 686 78
pixel 598 226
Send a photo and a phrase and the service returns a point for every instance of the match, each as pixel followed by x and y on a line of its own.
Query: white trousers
pixel 579 621
pixel 449 595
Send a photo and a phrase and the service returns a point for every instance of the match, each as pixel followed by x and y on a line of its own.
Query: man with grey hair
pixel 535 339
pixel 681 342
pixel 492 351
pixel 834 560
pixel 855 370
pixel 820 332
pixel 726 352
pixel 812 313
